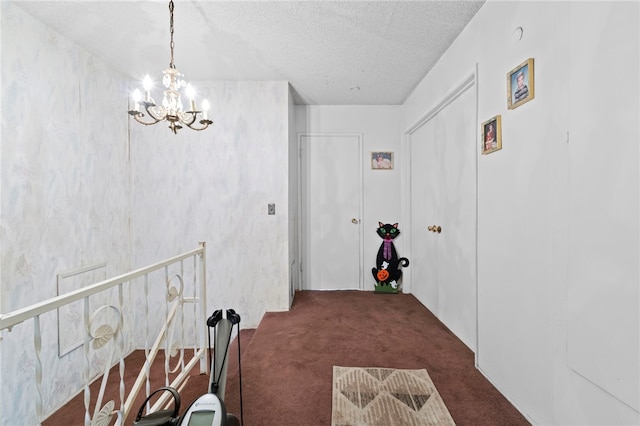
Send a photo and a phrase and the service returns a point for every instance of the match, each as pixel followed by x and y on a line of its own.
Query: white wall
pixel 380 129
pixel 601 295
pixel 65 194
pixel 215 186
pixel 294 270
pixel 523 313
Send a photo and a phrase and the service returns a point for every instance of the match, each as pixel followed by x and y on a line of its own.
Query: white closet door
pixel 457 301
pixel 443 195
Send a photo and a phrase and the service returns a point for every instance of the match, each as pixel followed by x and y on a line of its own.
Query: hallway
pixel 287 361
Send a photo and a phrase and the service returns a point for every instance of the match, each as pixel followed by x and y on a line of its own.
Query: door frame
pixel 303 208
pixel 470 82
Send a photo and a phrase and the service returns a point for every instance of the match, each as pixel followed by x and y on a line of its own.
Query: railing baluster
pixel 166 337
pixel 204 362
pixel 37 343
pixel 121 344
pixel 101 338
pixel 181 334
pixel 147 364
pixel 195 302
pixel 87 364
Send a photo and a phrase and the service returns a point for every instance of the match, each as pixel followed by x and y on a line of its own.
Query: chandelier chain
pixel 171 44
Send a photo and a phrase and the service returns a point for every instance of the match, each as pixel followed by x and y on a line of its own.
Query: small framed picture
pixel 491 135
pixel 382 160
pixel 520 84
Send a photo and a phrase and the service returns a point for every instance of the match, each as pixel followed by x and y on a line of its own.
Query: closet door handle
pixel 434 228
pixel 354 220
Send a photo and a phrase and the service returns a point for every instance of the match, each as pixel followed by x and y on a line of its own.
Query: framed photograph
pixel 491 135
pixel 520 84
pixel 382 160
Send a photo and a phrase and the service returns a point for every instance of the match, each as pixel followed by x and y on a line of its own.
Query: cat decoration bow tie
pixel 386 252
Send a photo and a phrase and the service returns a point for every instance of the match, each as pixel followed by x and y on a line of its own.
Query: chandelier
pixel 172 109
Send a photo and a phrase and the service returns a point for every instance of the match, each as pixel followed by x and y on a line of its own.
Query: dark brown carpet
pixel 287 362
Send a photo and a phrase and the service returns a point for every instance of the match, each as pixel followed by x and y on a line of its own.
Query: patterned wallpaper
pixel 80 188
pixel 214 186
pixel 65 193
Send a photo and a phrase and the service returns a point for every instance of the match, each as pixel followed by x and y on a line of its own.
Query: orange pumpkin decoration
pixel 383 274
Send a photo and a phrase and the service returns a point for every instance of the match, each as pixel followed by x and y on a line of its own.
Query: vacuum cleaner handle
pixel 162 417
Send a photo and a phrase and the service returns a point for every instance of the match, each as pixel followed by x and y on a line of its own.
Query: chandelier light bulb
pixel 205 109
pixel 147 85
pixel 137 97
pixel 191 93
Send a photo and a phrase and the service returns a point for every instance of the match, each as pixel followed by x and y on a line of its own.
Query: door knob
pixel 354 220
pixel 434 228
pixel 438 229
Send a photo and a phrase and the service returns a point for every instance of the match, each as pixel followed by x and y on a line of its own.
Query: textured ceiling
pixel 325 49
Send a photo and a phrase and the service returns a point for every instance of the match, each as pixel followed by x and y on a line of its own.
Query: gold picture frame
pixel 521 84
pixel 491 135
pixel 382 160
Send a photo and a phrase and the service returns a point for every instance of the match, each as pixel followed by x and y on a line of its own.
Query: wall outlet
pixel 272 209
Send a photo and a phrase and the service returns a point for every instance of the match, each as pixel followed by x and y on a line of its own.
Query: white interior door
pixel 425 208
pixel 331 204
pixel 443 191
pixel 457 301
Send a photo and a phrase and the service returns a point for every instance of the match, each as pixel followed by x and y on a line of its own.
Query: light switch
pixel 272 209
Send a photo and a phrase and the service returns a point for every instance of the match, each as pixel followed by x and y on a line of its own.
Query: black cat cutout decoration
pixel 387 272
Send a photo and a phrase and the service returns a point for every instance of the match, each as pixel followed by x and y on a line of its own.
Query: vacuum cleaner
pixel 208 409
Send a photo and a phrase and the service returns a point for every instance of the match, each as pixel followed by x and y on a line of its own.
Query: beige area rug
pixel 386 397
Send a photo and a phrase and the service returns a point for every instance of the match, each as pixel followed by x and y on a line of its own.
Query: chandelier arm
pixel 204 123
pixel 137 117
pixel 188 117
pixel 192 117
pixel 157 118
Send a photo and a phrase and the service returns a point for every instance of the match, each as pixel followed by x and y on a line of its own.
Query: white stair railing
pixel 114 331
